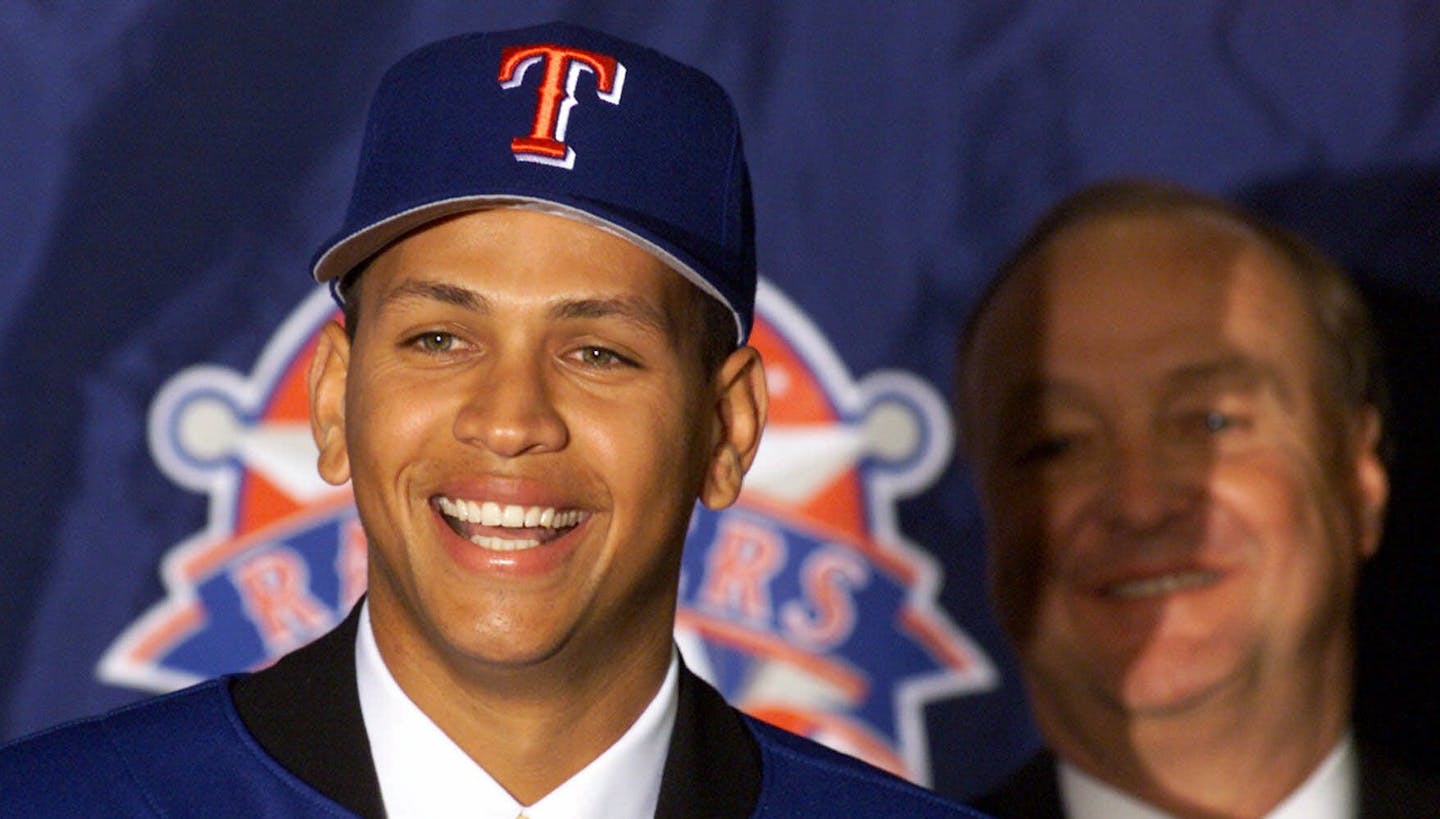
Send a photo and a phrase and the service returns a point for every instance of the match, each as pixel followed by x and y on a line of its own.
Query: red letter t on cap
pixel 546 142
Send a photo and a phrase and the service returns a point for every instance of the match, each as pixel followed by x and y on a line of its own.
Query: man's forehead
pixel 1141 256
pixel 1129 288
pixel 493 230
pixel 1143 245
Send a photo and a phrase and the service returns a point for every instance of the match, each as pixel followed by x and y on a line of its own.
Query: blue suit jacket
pixel 289 741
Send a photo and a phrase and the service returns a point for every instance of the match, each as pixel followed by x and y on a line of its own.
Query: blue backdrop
pixel 167 167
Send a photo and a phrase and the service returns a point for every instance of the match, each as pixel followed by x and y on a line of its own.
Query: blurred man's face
pixel 1168 521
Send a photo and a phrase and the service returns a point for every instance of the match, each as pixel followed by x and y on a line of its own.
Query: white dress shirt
pixel 1330 792
pixel 423 773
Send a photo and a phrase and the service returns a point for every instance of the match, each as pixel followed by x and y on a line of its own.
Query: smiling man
pixel 548 277
pixel 1173 412
pixel 527 418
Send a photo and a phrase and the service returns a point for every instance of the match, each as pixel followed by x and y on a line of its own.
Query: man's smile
pixel 1161 585
pixel 484 523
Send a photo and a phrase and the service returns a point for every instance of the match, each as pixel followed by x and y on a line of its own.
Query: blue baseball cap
pixel 567 120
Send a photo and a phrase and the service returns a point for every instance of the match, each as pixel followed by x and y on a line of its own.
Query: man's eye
pixel 602 357
pixel 434 342
pixel 1202 425
pixel 1044 450
pixel 1216 421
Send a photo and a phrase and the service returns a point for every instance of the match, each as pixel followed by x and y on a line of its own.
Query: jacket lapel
pixel 713 766
pixel 305 712
pixel 1033 792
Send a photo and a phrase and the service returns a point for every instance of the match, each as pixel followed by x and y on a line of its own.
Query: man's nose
pixel 511 409
pixel 1146 488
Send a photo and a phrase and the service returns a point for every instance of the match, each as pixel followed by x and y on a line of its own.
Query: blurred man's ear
pixel 1372 483
pixel 327 402
pixel 740 406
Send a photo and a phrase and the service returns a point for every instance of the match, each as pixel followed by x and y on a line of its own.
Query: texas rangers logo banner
pixel 803 603
pixel 169 168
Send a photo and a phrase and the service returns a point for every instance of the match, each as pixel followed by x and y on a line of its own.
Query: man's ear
pixel 327 402
pixel 741 403
pixel 1372 483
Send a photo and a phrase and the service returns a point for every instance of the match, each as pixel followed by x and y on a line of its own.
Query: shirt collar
pixel 423 773
pixel 1330 792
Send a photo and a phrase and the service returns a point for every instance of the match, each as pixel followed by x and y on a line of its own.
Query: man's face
pixel 1167 519
pixel 526 429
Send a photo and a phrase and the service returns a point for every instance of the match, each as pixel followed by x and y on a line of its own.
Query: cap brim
pixel 349 252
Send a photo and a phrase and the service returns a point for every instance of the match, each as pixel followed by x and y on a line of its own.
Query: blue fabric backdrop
pixel 167 167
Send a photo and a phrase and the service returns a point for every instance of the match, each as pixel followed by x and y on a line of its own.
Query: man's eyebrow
pixel 1023 405
pixel 630 310
pixel 1231 371
pixel 422 290
pixel 1033 393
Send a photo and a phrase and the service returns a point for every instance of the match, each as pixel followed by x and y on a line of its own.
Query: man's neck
pixel 1329 792
pixel 1224 758
pixel 532 728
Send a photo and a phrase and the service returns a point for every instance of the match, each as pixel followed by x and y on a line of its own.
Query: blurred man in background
pixel 1174 414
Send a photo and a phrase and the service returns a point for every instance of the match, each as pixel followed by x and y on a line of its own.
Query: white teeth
pixel 1162 585
pixel 490 514
pixel 508 516
pixel 503 544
